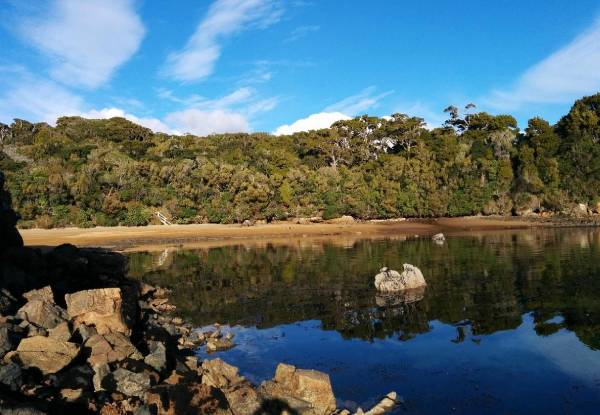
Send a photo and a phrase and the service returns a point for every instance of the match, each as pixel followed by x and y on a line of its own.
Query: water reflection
pixel 508 323
pixel 487 280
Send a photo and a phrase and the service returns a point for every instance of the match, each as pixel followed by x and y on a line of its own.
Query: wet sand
pixel 128 238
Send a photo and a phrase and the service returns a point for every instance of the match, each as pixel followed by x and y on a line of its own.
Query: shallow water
pixel 509 322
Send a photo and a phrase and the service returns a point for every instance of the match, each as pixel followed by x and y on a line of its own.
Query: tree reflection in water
pixel 480 283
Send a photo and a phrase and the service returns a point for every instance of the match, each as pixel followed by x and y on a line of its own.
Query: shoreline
pixel 208 235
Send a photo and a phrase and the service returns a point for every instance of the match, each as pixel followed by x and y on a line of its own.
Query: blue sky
pixel 286 65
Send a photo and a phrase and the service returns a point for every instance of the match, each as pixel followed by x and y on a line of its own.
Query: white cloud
pixel 300 32
pixel 200 122
pixel 153 123
pixel 341 110
pixel 85 40
pixel 312 122
pixel 360 102
pixel 224 18
pixel 562 77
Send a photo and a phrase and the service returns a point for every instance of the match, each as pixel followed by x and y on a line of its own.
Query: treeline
pixel 108 172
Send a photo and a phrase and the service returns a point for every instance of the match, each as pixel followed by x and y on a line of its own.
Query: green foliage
pixel 136 216
pixel 109 172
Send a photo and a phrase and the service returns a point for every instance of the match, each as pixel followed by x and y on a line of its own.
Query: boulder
pixel 385 405
pixel 46 354
pixel 389 280
pixel 11 376
pixel 130 383
pixel 217 344
pixel 41 309
pixel 239 392
pixel 61 332
pixel 305 391
pixel 43 294
pixel 109 348
pixel 101 308
pixel 192 398
pixel 438 238
pixel 157 358
pixel 219 374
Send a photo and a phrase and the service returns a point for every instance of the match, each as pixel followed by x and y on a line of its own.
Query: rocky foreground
pixel 76 335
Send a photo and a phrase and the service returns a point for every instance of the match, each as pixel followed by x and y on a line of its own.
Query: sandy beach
pixel 127 238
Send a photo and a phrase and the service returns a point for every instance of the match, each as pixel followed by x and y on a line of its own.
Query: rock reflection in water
pixel 490 280
pixel 504 316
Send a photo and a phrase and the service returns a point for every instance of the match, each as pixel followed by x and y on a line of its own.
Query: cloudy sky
pixel 204 66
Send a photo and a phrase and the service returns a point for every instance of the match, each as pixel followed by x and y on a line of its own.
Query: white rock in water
pixel 390 280
pixel 438 238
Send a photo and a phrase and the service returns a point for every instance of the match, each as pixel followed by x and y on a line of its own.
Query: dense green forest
pixel 108 172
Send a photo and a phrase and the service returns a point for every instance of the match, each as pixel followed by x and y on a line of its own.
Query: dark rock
pixel 8 220
pixel 7 339
pixel 78 377
pixel 7 302
pixel 11 376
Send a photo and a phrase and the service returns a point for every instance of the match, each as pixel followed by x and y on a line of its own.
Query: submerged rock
pixel 391 280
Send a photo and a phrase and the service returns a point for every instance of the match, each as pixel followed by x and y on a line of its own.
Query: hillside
pixel 108 172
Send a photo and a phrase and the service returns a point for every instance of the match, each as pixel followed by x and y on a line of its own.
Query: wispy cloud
pixel 364 100
pixel 85 40
pixel 31 97
pixel 565 75
pixel 300 32
pixel 224 18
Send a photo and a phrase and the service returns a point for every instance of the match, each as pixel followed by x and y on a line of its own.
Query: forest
pixel 108 172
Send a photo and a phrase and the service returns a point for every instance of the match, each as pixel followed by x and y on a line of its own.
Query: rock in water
pixel 306 391
pixel 46 354
pixel 438 239
pixel 390 280
pixel 102 308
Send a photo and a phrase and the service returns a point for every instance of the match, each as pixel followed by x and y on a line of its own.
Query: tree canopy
pixel 107 172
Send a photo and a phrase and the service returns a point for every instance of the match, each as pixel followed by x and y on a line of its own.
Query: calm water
pixel 509 322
